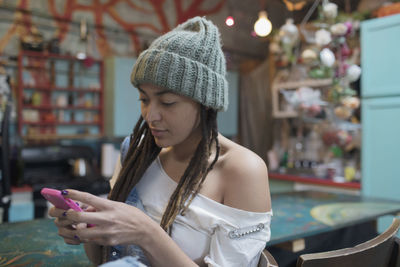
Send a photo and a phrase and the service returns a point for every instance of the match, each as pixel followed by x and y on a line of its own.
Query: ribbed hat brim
pixel 189 78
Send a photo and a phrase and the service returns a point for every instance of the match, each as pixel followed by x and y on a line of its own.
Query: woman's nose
pixel 153 113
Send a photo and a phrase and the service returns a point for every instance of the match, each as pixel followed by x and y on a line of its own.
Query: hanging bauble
pixel 327 57
pixel 322 37
pixel 289 34
pixel 353 73
pixel 339 29
pixel 330 10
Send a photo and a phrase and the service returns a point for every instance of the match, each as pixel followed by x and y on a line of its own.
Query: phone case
pixel 58 200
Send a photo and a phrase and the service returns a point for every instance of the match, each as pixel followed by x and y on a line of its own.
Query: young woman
pixel 182 194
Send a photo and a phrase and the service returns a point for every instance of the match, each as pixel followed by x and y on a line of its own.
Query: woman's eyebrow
pixel 162 92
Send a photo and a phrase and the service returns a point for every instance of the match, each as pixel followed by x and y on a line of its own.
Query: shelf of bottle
pixel 46 56
pixel 38 137
pixel 50 107
pixel 60 123
pixel 313 180
pixel 66 89
pixel 47 69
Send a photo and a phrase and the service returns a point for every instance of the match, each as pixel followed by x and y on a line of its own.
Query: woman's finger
pixel 70 234
pixel 89 209
pixel 55 212
pixel 96 235
pixel 88 199
pixel 94 218
pixel 72 241
pixel 59 222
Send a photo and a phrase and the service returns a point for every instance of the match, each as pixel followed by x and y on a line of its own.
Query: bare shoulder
pixel 245 178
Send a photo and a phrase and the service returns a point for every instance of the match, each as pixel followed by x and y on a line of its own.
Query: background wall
pixel 123 27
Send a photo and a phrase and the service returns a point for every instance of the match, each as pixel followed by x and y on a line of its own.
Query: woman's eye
pixel 168 103
pixel 143 100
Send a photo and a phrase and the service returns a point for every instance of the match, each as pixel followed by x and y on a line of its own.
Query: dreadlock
pixel 143 151
pixel 190 183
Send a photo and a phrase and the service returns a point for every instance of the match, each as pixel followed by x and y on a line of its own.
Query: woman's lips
pixel 158 132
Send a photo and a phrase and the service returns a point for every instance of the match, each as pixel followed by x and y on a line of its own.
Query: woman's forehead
pixel 151 89
pixel 154 89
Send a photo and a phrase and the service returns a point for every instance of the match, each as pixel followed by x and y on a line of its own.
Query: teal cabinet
pixel 380 57
pixel 381 147
pixel 122 104
pixel 380 109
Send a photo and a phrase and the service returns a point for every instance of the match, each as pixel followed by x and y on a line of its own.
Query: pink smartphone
pixel 58 200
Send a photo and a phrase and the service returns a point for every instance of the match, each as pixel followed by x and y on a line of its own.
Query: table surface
pixel 36 243
pixel 306 213
pixel 296 215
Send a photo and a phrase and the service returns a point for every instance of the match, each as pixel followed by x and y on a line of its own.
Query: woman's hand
pixel 115 222
pixel 63 224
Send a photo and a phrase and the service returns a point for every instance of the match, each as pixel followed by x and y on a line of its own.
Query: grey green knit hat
pixel 189 61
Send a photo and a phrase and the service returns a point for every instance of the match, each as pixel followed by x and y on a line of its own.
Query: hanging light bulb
pixel 229 21
pixel 263 25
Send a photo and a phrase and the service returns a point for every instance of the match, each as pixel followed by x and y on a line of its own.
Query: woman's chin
pixel 161 143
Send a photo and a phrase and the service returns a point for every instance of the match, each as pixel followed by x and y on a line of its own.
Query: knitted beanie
pixel 188 61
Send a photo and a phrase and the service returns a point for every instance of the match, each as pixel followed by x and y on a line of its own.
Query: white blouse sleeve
pixel 232 246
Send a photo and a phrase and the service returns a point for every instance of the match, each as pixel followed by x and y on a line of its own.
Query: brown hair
pixel 143 151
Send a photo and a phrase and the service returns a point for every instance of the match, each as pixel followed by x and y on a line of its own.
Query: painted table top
pixel 306 213
pixel 36 243
pixel 296 215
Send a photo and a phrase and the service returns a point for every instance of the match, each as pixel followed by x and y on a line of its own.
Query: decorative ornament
pixel 304 98
pixel 274 48
pixel 291 6
pixel 351 102
pixel 308 55
pixel 349 26
pixel 322 37
pixel 343 112
pixel 330 10
pixel 289 34
pixel 345 50
pixel 353 73
pixel 327 57
pixel 339 29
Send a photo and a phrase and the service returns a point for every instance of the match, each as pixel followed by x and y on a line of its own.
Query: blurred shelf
pixel 40 137
pixel 55 88
pixel 282 81
pixel 43 78
pixel 45 55
pixel 52 107
pixel 313 180
pixel 53 123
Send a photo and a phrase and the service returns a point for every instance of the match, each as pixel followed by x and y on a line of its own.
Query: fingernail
pixel 64 213
pixel 64 192
pixel 77 203
pixel 76 237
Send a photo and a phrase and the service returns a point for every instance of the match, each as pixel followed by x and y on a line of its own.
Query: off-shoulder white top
pixel 209 233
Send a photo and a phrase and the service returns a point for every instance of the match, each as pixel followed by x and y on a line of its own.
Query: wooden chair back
pixel 267 260
pixel 382 251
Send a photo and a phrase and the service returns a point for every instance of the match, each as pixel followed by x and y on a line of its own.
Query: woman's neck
pixel 183 152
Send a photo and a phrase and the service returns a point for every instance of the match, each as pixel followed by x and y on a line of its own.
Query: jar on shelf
pixel 36 99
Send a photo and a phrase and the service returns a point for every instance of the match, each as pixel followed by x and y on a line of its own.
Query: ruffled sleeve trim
pixel 242 218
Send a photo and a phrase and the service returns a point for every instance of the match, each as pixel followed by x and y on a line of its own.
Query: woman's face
pixel 172 119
